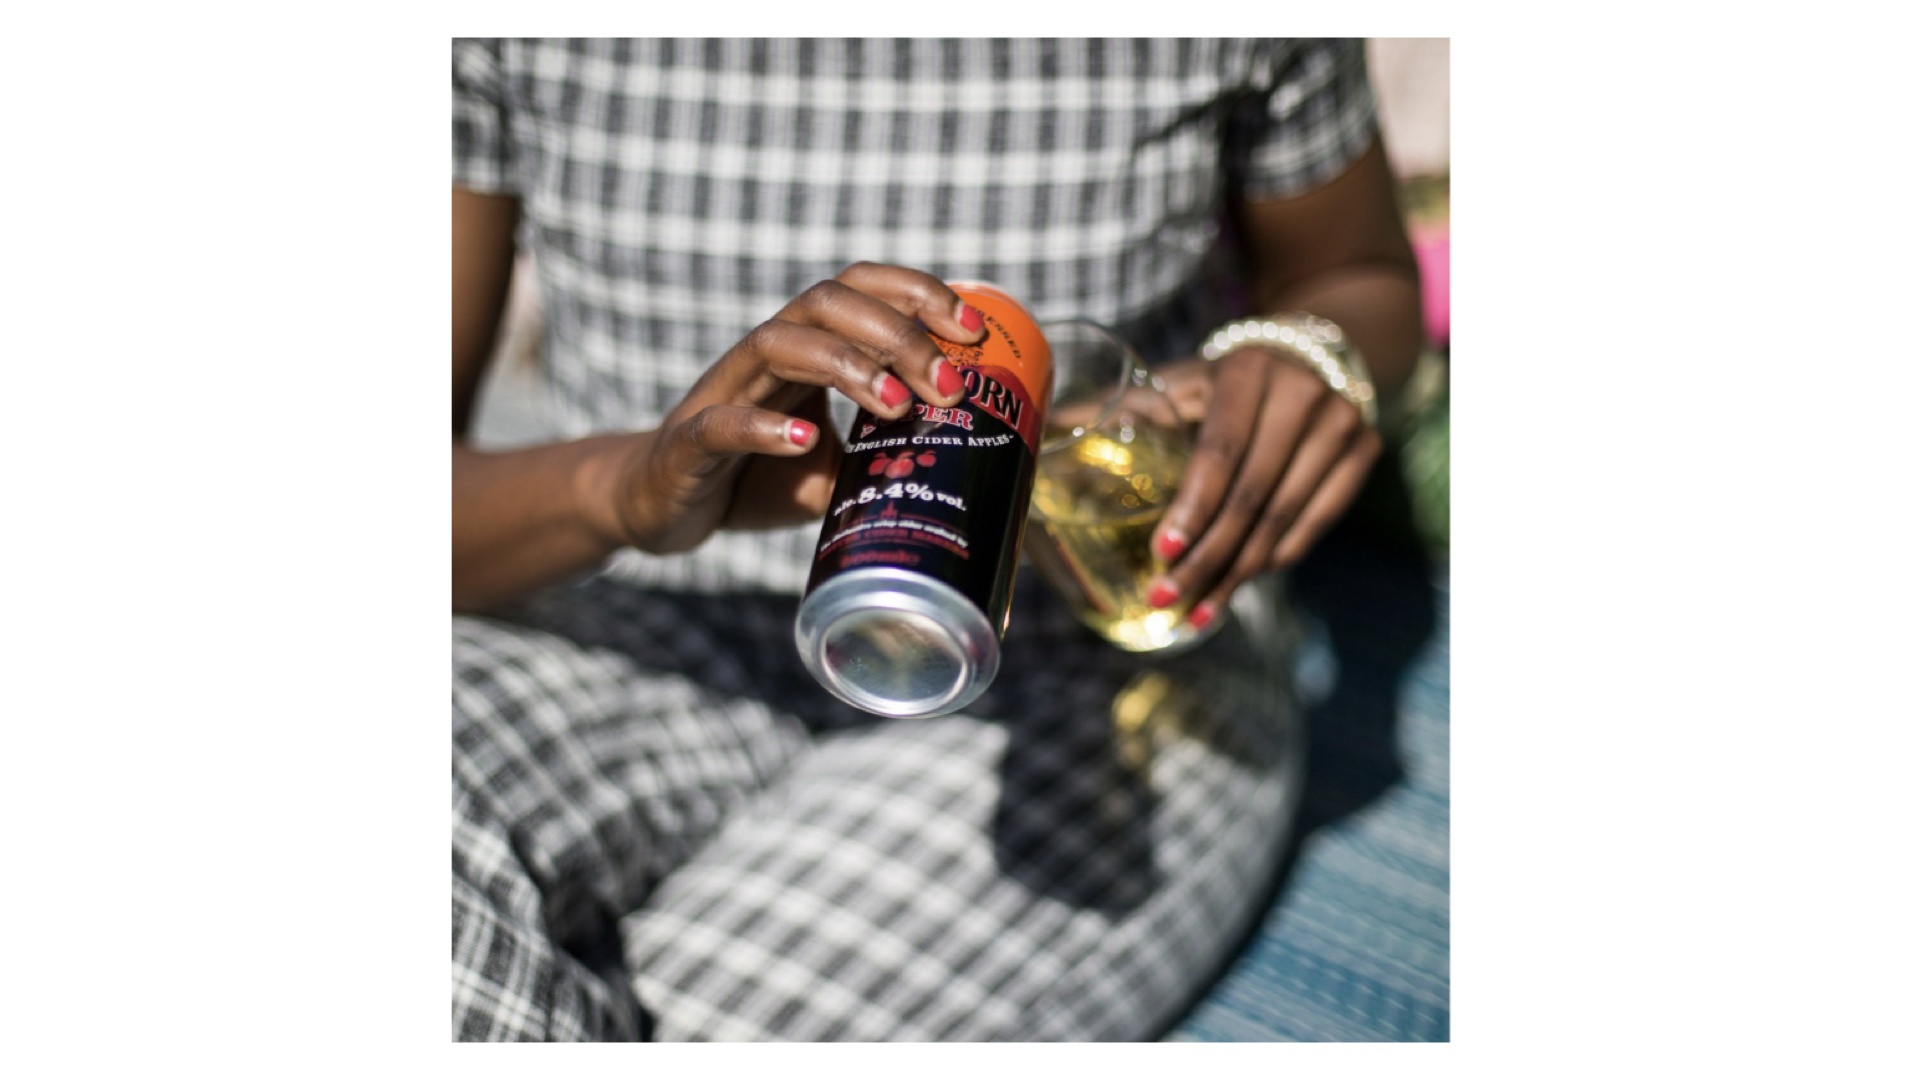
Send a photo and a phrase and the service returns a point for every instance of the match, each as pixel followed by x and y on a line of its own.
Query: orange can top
pixel 1014 354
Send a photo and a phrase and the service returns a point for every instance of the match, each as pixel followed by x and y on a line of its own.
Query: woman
pixel 662 827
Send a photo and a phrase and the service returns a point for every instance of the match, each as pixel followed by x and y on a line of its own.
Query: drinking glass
pixel 1110 461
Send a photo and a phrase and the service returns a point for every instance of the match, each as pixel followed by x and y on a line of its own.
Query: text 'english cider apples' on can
pixel 913 575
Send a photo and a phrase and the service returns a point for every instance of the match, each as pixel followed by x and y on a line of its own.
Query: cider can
pixel 913 574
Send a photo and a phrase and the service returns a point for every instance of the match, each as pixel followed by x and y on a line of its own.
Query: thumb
pixel 719 434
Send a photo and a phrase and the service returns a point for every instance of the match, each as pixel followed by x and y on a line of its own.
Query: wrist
pixel 1316 343
pixel 599 488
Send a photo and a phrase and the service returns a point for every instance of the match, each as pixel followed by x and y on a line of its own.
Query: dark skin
pixel 1279 455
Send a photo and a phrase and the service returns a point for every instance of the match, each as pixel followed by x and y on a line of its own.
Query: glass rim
pixel 1134 373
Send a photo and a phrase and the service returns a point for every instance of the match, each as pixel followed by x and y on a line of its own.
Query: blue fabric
pixel 1355 945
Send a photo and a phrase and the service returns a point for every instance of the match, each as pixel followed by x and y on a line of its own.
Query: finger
pixel 719 435
pixel 775 491
pixel 1240 387
pixel 920 296
pixel 819 464
pixel 1335 490
pixel 781 353
pixel 1287 407
pixel 1306 472
pixel 1337 429
pixel 1288 425
pixel 1329 501
pixel 891 323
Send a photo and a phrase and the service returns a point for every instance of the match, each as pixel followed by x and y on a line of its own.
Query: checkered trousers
pixel 664 828
pixel 678 193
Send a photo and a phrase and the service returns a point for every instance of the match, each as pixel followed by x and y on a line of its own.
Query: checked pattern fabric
pixel 662 828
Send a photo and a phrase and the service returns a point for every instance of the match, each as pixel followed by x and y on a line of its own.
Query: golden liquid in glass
pixel 1095 506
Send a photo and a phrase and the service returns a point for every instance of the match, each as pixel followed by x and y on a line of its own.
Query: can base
pixel 896 643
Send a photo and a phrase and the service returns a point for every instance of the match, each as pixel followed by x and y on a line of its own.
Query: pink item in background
pixel 1430 246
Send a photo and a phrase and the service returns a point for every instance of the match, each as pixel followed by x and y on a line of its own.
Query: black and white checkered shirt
pixel 677 193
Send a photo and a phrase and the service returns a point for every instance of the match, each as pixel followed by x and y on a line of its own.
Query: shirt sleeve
pixel 1318 117
pixel 483 154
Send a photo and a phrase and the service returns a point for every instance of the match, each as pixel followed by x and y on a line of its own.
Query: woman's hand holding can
pixel 746 447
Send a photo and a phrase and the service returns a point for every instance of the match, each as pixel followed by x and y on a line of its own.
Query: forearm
pixel 531 517
pixel 1341 252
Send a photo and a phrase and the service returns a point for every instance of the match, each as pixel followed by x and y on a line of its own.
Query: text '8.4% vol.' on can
pixel 913 574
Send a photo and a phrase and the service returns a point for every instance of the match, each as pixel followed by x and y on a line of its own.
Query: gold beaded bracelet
pixel 1318 343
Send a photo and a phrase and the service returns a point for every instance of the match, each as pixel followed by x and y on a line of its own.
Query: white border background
pixel 1683 574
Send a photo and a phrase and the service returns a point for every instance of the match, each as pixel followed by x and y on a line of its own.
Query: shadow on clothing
pixel 1086 723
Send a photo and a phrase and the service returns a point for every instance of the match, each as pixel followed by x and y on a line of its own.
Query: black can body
pixel 913 575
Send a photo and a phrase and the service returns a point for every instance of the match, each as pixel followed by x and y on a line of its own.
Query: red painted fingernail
pixel 1200 616
pixel 799 432
pixel 1170 545
pixel 970 317
pixel 892 391
pixel 1163 594
pixel 948 381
